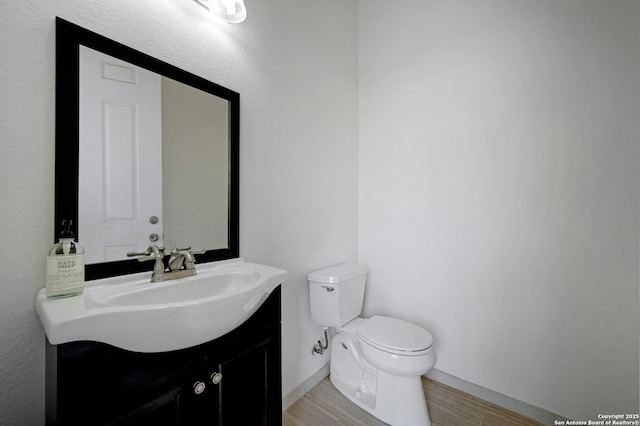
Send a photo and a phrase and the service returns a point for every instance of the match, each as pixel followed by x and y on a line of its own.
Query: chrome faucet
pixel 181 263
pixel 183 257
pixel 152 253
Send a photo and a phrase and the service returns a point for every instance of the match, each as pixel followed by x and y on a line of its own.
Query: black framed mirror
pixel 200 180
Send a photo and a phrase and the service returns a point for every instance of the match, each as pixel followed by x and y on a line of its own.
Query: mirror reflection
pixel 153 161
pixel 146 153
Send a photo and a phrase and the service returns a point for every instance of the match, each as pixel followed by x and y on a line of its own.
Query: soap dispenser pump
pixel 65 265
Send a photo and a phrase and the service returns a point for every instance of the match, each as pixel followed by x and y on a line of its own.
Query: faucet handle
pixel 190 259
pixel 183 257
pixel 152 251
pixel 144 257
pixel 176 251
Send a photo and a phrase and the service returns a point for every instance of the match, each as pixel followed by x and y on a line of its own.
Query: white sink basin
pixel 132 313
pixel 194 288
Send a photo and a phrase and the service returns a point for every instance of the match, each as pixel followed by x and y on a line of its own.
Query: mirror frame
pixel 68 39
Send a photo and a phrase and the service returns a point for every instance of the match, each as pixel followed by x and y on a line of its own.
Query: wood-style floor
pixel 324 405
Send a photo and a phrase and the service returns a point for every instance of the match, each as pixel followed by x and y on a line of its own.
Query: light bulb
pixel 236 11
pixel 233 11
pixel 230 5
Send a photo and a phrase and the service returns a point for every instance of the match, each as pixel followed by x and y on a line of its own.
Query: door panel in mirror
pixel 120 156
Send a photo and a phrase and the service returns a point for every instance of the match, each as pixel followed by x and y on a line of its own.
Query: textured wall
pixel 499 171
pixel 294 64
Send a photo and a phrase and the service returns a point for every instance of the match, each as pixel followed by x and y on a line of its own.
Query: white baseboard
pixel 511 404
pixel 307 385
pixel 535 413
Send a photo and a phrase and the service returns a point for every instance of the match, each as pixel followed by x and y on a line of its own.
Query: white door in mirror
pixel 121 152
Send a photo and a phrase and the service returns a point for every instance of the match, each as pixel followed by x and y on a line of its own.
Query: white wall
pixel 294 64
pixel 195 134
pixel 499 171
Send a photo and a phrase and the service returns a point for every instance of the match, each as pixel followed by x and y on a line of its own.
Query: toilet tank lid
pixel 338 274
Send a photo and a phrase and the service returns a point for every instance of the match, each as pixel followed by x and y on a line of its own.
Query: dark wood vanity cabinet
pixel 232 380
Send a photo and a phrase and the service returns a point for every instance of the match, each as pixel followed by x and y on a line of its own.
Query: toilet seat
pixel 395 336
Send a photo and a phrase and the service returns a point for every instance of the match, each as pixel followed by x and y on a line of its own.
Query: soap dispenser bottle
pixel 65 265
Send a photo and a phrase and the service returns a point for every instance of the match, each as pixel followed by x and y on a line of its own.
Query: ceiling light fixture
pixel 234 11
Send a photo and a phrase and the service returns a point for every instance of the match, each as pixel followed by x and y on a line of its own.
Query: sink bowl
pixel 167 292
pixel 132 313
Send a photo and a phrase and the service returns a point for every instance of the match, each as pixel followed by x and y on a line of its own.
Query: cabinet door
pixel 195 404
pixel 185 401
pixel 159 411
pixel 98 384
pixel 248 392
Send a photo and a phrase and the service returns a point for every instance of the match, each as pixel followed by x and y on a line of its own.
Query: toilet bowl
pixel 376 362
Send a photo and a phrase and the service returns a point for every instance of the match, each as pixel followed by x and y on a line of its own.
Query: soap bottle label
pixel 65 275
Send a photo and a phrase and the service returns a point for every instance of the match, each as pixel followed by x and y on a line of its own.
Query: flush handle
pixel 329 288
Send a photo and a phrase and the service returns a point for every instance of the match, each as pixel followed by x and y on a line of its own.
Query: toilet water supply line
pixel 319 348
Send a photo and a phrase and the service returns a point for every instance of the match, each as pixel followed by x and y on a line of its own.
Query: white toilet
pixel 375 362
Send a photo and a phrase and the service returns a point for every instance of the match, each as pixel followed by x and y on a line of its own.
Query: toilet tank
pixel 336 294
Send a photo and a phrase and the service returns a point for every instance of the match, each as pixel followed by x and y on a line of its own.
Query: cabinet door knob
pixel 198 387
pixel 216 378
